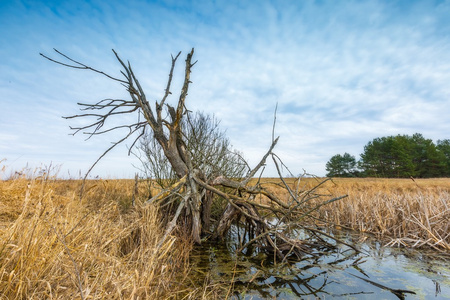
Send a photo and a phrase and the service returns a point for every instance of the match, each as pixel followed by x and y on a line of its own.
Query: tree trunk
pixel 193 189
pixel 206 211
pixel 227 218
pixel 195 202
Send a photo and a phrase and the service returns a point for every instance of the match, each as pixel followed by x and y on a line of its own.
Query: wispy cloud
pixel 342 73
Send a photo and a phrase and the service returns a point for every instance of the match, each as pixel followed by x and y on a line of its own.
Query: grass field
pixel 54 245
pixel 402 212
pixel 405 212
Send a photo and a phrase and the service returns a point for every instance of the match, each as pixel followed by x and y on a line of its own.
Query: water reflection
pixel 375 273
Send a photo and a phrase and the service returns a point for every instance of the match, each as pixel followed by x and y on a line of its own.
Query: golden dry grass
pixel 55 246
pixel 410 213
pixel 403 212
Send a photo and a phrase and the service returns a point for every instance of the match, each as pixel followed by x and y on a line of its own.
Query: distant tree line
pixel 397 156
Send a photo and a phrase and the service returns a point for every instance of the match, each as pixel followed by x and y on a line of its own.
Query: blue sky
pixel 342 73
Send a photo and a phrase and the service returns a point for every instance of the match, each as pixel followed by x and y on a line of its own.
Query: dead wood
pixel 270 221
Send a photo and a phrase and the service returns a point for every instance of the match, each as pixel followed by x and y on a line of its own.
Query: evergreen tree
pixel 387 157
pixel 405 156
pixel 341 166
pixel 443 148
pixel 426 158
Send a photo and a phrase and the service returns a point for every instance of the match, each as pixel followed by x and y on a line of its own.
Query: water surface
pixel 374 273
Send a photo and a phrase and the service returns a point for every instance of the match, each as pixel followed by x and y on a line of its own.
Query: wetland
pixel 373 272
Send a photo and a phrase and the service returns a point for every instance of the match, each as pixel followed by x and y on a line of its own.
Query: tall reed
pixel 406 212
pixel 54 245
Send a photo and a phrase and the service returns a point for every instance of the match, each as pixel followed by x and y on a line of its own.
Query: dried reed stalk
pixel 400 211
pixel 52 246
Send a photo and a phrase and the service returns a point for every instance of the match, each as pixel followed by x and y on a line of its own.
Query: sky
pixel 340 74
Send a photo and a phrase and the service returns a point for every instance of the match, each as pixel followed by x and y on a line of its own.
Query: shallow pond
pixel 374 273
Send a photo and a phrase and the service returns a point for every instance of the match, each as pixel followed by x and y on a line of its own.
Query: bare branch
pixel 274 122
pixel 169 82
pixel 184 89
pixel 284 182
pixel 180 151
pixel 101 156
pixel 168 192
pixel 261 163
pixel 172 223
pixel 80 65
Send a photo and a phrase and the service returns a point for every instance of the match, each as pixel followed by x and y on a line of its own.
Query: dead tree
pixel 208 147
pixel 193 191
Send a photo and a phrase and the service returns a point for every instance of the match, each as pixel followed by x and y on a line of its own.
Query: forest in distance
pixel 400 156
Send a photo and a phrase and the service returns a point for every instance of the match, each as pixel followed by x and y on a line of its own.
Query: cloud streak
pixel 341 73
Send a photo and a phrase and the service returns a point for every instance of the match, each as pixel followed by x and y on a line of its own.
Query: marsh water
pixel 375 272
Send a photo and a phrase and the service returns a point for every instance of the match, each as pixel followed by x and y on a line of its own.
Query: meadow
pixel 56 245
pixel 400 212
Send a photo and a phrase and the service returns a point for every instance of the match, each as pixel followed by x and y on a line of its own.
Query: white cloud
pixel 342 73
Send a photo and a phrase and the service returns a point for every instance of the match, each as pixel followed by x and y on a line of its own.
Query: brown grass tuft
pixel 404 212
pixel 55 246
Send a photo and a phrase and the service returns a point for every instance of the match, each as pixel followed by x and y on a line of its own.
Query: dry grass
pixel 405 212
pixel 54 246
pixel 411 213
